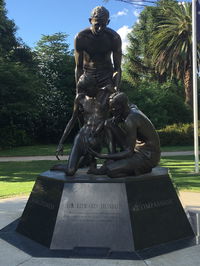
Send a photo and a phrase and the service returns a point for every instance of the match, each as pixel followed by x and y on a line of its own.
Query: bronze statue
pixel 94 48
pixel 131 139
pixel 136 137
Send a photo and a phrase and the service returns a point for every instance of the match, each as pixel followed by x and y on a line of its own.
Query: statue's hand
pixel 98 155
pixel 59 151
pixel 116 89
pixel 94 153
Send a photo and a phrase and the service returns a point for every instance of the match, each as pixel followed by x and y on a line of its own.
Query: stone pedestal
pixel 87 213
pixel 194 217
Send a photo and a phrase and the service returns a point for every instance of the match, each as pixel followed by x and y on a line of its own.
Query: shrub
pixel 12 137
pixel 177 134
pixel 160 102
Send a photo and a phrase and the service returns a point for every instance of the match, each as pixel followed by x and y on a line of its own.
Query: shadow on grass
pixel 23 171
pixel 187 185
pixel 181 169
pixel 182 172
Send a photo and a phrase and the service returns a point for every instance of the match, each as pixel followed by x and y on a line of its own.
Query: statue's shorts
pixel 95 77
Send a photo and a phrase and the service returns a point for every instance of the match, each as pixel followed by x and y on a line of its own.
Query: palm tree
pixel 172 45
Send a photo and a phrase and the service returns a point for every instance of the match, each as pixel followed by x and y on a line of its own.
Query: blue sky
pixel 37 17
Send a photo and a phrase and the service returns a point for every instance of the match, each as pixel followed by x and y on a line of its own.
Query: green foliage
pixel 19 105
pixel 52 53
pixel 171 43
pixel 56 66
pixel 20 88
pixel 11 137
pixel 160 102
pixel 37 87
pixel 177 134
pixel 138 60
pixel 7 32
pixel 160 46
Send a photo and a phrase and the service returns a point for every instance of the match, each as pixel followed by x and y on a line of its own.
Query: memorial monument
pixel 128 203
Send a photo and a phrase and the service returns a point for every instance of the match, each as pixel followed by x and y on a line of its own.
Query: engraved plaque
pixel 39 216
pixel 93 215
pixel 156 213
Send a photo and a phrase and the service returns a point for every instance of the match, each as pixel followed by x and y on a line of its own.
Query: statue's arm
pixel 71 122
pixel 114 156
pixel 117 58
pixel 128 151
pixel 78 54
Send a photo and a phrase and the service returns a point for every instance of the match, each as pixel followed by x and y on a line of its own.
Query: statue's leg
pixel 76 153
pixel 119 168
pixel 104 78
pixel 135 165
pixel 96 144
pixel 118 134
pixel 110 141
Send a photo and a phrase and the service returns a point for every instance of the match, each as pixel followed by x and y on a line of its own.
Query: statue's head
pixel 119 104
pixel 99 19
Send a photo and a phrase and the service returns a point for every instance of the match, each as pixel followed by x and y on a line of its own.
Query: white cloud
pixel 123 32
pixel 136 13
pixel 123 12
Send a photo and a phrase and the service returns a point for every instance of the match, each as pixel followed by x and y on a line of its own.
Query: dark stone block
pixel 93 215
pixel 88 214
pixel 194 217
pixel 157 215
pixel 40 214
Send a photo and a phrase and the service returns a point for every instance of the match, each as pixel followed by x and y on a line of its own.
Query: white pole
pixel 195 92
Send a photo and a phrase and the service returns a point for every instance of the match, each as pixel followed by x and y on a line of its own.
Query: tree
pixel 19 105
pixel 161 47
pixel 56 66
pixel 160 102
pixel 7 31
pixel 171 45
pixel 20 86
pixel 138 60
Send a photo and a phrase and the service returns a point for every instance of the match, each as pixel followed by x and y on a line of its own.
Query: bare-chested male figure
pixel 135 135
pixel 92 104
pixel 98 52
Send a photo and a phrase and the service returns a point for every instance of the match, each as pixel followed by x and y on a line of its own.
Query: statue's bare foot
pixel 96 171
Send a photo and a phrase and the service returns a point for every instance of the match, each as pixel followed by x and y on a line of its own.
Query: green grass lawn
pixel 17 178
pixel 50 149
pixel 35 150
pixel 177 148
pixel 182 172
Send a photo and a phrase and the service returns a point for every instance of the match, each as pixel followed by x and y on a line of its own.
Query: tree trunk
pixel 188 87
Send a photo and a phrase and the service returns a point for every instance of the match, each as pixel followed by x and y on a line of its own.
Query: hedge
pixel 177 134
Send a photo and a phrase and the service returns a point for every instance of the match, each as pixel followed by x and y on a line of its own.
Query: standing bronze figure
pixel 95 50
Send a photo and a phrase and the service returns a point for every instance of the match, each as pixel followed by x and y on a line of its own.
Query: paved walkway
pixel 31 158
pixel 190 200
pixel 53 158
